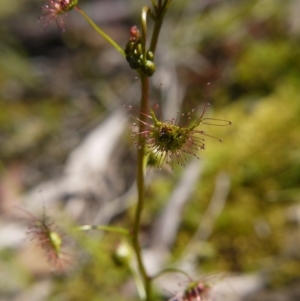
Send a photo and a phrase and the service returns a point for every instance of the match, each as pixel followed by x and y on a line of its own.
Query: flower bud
pixel 123 254
pixel 150 55
pixel 135 56
pixel 135 63
pixel 129 48
pixel 134 33
pixel 149 68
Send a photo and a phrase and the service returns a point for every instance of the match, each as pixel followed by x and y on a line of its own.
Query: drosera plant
pixel 50 238
pixel 53 240
pixel 170 141
pixel 195 291
pixel 54 10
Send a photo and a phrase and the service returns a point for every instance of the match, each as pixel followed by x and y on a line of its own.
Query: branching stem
pixel 100 31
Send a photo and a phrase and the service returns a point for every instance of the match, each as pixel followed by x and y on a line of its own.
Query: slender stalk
pixel 141 185
pixel 102 228
pixel 145 10
pixel 155 35
pixel 100 31
pixel 160 12
pixel 138 283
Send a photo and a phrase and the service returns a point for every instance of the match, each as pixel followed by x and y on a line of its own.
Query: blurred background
pixel 65 149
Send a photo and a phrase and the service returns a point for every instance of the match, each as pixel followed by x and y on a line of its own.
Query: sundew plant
pixel 158 142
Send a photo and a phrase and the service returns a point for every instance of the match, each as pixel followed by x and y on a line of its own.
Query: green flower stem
pixel 101 32
pixel 145 11
pixel 141 186
pixel 161 9
pixel 155 35
pixel 154 5
pixel 138 283
pixel 102 228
